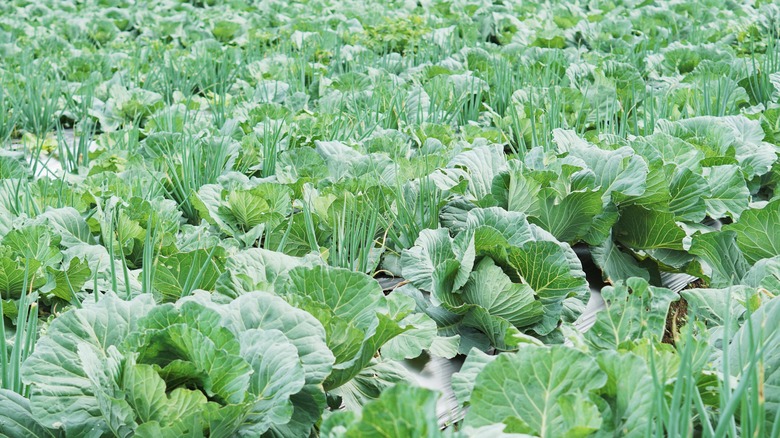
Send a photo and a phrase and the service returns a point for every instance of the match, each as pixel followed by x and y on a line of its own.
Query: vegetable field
pixel 421 218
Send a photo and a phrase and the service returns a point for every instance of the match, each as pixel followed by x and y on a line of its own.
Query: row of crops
pixel 237 218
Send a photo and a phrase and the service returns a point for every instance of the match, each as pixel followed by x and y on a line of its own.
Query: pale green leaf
pixel 528 386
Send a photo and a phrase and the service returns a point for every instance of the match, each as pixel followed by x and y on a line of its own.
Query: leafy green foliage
pixel 183 367
pixel 222 220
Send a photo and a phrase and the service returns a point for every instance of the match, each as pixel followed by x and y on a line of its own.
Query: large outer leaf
pixel 35 242
pixel 66 281
pixel 453 336
pixel 17 420
pixel 146 393
pixel 630 392
pixel 384 330
pixel 401 411
pixel 758 232
pixel 665 149
pixel 501 333
pixel 533 386
pixel 616 264
pixel 762 332
pixel 277 375
pixel 411 343
pixel 262 310
pixel 61 393
pixel 351 307
pixel 719 250
pixel 570 218
pixel 308 406
pixel 688 190
pixel 729 195
pixel 648 229
pixel 735 137
pixel 350 295
pixel 178 270
pixel 268 312
pixel 657 193
pixel 207 201
pixel 103 369
pixel 12 277
pixel 496 228
pixel 369 384
pixel 483 164
pixel 463 381
pixel 545 267
pixel 340 157
pixel 713 306
pixel 516 191
pixel 619 173
pixel 633 310
pixel 264 203
pixel 239 209
pixel 765 273
pixel 69 224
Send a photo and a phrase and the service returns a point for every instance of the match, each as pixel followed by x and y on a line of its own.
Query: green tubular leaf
pixel 761 333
